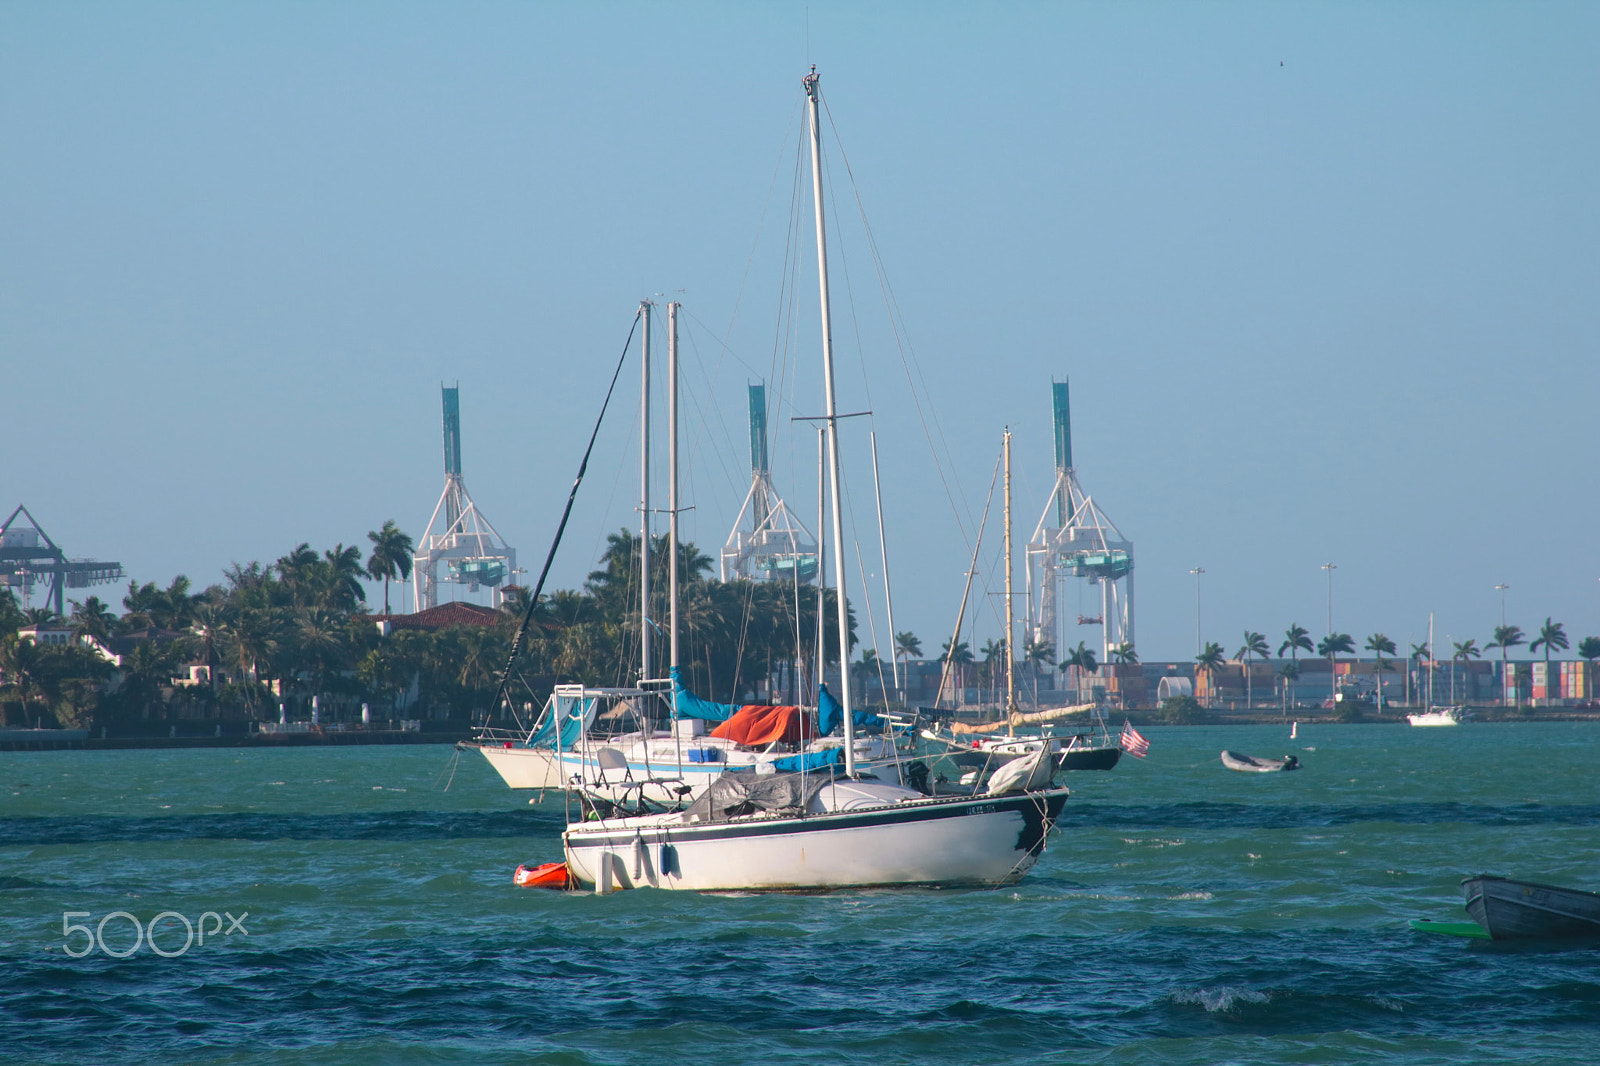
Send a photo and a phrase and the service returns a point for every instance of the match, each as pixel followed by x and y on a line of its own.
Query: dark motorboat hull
pixel 1090 758
pixel 1526 910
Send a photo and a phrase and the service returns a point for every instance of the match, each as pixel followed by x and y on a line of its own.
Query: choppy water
pixel 1184 914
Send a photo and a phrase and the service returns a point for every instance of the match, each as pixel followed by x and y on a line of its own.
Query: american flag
pixel 1133 742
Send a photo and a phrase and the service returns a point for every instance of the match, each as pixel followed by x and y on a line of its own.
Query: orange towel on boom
pixel 757 725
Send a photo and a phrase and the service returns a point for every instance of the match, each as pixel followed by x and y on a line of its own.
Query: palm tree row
pixel 1552 637
pixel 298 628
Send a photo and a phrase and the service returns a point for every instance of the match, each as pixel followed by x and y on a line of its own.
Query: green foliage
pixel 1081 657
pixel 1505 638
pixel 1335 644
pixel 1296 639
pixel 1551 635
pixel 294 627
pixel 1182 710
pixel 1589 648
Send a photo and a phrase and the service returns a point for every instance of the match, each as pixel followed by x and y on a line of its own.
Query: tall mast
pixel 832 416
pixel 644 499
pixel 1011 678
pixel 1430 660
pixel 672 480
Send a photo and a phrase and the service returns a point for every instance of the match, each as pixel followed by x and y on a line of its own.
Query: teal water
pixel 1183 914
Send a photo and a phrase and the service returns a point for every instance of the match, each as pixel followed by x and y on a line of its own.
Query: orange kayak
pixel 545 875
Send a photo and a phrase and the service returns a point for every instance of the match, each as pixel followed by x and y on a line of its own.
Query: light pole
pixel 1330 568
pixel 1502 589
pixel 1333 672
pixel 1199 645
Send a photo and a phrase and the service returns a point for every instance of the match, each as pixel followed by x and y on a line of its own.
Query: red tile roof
pixel 442 616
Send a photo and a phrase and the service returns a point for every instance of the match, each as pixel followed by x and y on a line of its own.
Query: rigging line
pixel 955 639
pixel 783 319
pixel 849 289
pixel 705 410
pixel 566 513
pixel 866 586
pixel 902 341
pixel 777 167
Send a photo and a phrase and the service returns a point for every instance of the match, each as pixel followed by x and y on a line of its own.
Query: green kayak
pixel 1467 929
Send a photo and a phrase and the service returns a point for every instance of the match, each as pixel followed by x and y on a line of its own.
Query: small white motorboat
pixel 1249 764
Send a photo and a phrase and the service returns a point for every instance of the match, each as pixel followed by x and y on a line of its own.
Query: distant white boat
pixel 1438 716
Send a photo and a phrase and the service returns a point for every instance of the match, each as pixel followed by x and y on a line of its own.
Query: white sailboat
pixel 606 741
pixel 1435 716
pixel 982 747
pixel 810 831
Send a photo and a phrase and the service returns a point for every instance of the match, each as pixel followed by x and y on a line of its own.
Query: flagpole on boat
pixel 832 422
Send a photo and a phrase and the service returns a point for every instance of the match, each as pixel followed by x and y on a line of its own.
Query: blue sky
pixel 1323 277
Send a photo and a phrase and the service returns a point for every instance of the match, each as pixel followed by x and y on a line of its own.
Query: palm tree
pixel 907 646
pixel 1255 644
pixel 1037 654
pixel 1419 652
pixel 1331 646
pixel 20 667
pixel 865 667
pixel 1380 645
pixel 955 661
pixel 339 578
pixel 1506 638
pixel 1209 661
pixel 1589 651
pixel 391 557
pixel 1462 651
pixel 1289 671
pixel 92 618
pixel 1296 639
pixel 1082 660
pixel 994 652
pixel 1125 654
pixel 1551 635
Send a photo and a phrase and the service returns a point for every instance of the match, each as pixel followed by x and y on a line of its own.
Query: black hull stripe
pixel 624 837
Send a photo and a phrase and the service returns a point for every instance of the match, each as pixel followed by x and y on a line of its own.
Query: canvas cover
pixel 738 793
pixel 757 725
pixel 686 704
pixel 830 716
pixel 575 716
pixel 810 761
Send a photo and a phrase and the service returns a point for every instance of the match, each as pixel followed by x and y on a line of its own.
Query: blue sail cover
pixel 830 716
pixel 686 704
pixel 810 762
pixel 574 720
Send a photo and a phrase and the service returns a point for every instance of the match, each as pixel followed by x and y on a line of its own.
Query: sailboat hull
pixel 659 781
pixel 984 841
pixel 522 767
